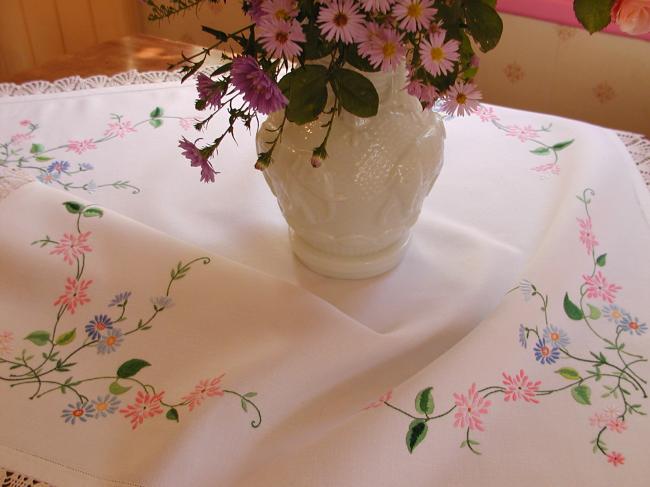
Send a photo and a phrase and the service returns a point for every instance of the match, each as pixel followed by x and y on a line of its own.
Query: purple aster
pixel 98 325
pixel 110 342
pixel 556 337
pixel 79 411
pixel 120 299
pixel 546 354
pixel 209 91
pixel 633 325
pixel 259 90
pixel 84 166
pixel 58 166
pixel 105 405
pixel 199 158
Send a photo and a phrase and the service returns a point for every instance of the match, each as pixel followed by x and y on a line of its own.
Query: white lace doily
pixel 639 148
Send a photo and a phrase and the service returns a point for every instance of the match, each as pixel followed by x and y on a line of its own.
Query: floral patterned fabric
pixel 158 331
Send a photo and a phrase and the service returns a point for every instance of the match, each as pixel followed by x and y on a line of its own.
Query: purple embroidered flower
pixel 162 302
pixel 527 289
pixel 523 336
pixel 209 91
pixel 633 325
pixel 48 177
pixel 59 166
pixel 199 158
pixel 97 326
pixel 260 91
pixel 614 313
pixel 556 337
pixel 105 405
pixel 120 299
pixel 79 411
pixel 84 166
pixel 545 354
pixel 110 342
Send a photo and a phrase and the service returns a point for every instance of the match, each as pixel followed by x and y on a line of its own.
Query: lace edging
pixel 12 178
pixel 15 479
pixel 639 148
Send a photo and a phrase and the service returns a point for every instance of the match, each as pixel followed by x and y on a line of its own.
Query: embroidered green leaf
pixel 90 212
pixel 117 388
pixel 571 310
pixel 250 394
pixel 601 260
pixel 416 433
pixel 594 15
pixel 562 145
pixel 39 338
pixel 131 367
pixel 569 373
pixel 66 338
pixel 244 406
pixel 36 148
pixel 172 415
pixel 424 401
pixel 157 112
pixel 541 151
pixel 582 394
pixel 73 207
pixel 594 312
pixel 155 122
pixel 43 158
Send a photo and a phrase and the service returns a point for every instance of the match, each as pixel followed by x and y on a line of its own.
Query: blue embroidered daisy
pixel 110 342
pixel 522 336
pixel 544 353
pixel 527 289
pixel 161 302
pixel 556 337
pixel 98 325
pixel 633 325
pixel 105 405
pixel 79 411
pixel 614 313
pixel 48 177
pixel 59 166
pixel 120 299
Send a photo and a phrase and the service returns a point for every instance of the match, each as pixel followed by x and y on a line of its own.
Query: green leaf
pixel 219 35
pixel 43 158
pixel 541 151
pixel 356 93
pixel 155 122
pixel 483 23
pixel 582 394
pixel 594 15
pixel 73 207
pixel 315 47
pixel 571 310
pixel 117 388
pixel 39 338
pixel 66 338
pixel 562 145
pixel 416 433
pixel 353 58
pixel 594 312
pixel 221 69
pixel 157 112
pixel 491 3
pixel 424 401
pixel 602 260
pixel 250 394
pixel 569 373
pixel 36 148
pixel 172 415
pixel 90 212
pixel 306 90
pixel 244 406
pixel 131 367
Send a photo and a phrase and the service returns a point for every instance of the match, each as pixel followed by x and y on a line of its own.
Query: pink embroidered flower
pixel 72 246
pixel 599 419
pixel 520 387
pixel 259 90
pixel 146 406
pixel 552 168
pixel 438 56
pixel 6 342
pixel 602 418
pixel 340 20
pixel 75 294
pixel 280 37
pixel 385 50
pixel 486 113
pixel 118 129
pixel 414 15
pixel 186 123
pixel 203 390
pixel 615 458
pixel 469 409
pixel 522 133
pixel 617 425
pixel 80 146
pixel 586 235
pixel 598 287
pixel 387 396
pixel 462 99
pixel 19 138
pixel 26 123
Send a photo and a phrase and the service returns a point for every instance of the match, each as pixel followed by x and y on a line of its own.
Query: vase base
pixel 349 267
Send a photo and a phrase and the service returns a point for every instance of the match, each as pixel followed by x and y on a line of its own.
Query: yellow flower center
pixel 414 10
pixel 461 98
pixel 555 337
pixel 616 314
pixel 101 406
pixel 281 14
pixel 110 341
pixel 389 49
pixel 437 54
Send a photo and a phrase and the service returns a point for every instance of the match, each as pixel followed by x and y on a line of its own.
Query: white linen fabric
pixel 342 371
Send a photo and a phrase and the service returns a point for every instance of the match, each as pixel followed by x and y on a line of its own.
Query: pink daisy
pixel 377 5
pixel 520 387
pixel 598 287
pixel 341 21
pixel 414 15
pixel 462 98
pixel 599 419
pixel 615 458
pixel 259 90
pixel 209 91
pixel 75 294
pixel 279 9
pixel 522 133
pixel 119 129
pixel 6 342
pixel 204 389
pixel 199 158
pixel 586 235
pixel 617 425
pixel 369 34
pixel 469 409
pixel 255 10
pixel 551 167
pixel 80 146
pixel 386 50
pixel 486 113
pixel 280 37
pixel 438 56
pixel 19 138
pixel 387 396
pixel 427 94
pixel 145 406
pixel 72 247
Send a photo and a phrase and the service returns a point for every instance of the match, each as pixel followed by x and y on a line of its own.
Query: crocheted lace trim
pixel 12 178
pixel 15 479
pixel 639 148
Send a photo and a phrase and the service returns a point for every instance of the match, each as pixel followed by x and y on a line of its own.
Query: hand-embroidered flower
pixel 98 326
pixel 633 325
pixel 523 336
pixel 614 313
pixel 110 342
pixel 80 146
pixel 598 287
pixel 615 458
pixel 19 138
pixel 545 353
pixel 522 133
pixel 120 299
pixel 105 405
pixel 59 166
pixel 48 177
pixel 72 246
pixel 486 114
pixel 587 236
pixel 617 425
pixel 119 129
pixel 85 166
pixel 146 406
pixel 469 409
pixel 527 289
pixel 204 389
pixel 385 397
pixel 186 123
pixel 520 387
pixel 161 302
pixel 6 342
pixel 556 337
pixel 78 411
pixel 551 167
pixel 602 418
pixel 75 294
